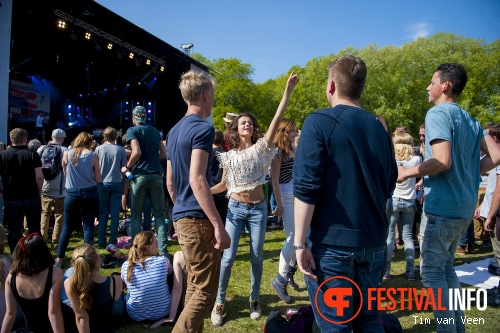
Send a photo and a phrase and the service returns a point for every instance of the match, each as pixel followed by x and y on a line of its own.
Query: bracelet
pixel 300 247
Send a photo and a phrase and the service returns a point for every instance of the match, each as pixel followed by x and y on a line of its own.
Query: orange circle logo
pixel 334 298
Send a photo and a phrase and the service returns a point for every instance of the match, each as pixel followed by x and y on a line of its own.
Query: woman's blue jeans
pixel 403 210
pixel 255 217
pixel 78 204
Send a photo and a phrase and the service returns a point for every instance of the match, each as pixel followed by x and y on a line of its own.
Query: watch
pixel 300 247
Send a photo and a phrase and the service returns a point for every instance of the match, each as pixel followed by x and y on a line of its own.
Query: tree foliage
pixel 395 87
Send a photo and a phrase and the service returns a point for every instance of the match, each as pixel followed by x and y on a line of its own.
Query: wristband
pixel 300 247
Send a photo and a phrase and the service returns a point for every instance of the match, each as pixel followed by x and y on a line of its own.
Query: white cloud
pixel 420 29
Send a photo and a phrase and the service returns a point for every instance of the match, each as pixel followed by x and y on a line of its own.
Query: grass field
pixel 237 308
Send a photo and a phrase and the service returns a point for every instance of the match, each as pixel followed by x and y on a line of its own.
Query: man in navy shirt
pixel 344 173
pixel 198 224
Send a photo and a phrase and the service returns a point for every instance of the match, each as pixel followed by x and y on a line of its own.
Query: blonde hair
pixel 285 147
pixel 403 148
pixel 85 260
pixel 83 140
pixel 193 84
pixel 139 251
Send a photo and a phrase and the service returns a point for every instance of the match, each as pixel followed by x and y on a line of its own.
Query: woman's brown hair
pixel 234 138
pixel 285 147
pixel 83 140
pixel 85 260
pixel 139 251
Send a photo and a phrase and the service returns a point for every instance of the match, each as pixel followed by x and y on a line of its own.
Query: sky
pixel 274 35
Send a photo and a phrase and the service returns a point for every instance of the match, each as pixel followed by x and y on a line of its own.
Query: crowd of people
pixel 344 196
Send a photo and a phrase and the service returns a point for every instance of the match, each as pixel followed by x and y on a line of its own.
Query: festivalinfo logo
pixel 414 299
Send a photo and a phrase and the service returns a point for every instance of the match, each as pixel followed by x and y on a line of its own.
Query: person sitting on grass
pixel 35 285
pixel 96 300
pixel 145 274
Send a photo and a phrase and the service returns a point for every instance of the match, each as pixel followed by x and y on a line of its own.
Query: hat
pixel 229 117
pixel 58 133
pixel 139 113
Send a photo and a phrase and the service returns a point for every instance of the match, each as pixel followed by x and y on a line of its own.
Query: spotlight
pixel 61 24
pixel 148 62
pixel 69 114
pixel 139 83
pixel 149 103
pixel 131 55
pixel 162 68
pixel 110 46
pixel 149 111
pixel 88 35
pixel 126 103
pixel 69 106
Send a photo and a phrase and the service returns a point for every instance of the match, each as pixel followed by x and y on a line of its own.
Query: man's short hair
pixel 34 144
pixel 493 130
pixel 193 84
pixel 455 74
pixel 18 135
pixel 349 75
pixel 110 134
pixel 422 126
pixel 219 138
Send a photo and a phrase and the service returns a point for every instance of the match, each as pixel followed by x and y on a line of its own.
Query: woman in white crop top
pixel 245 168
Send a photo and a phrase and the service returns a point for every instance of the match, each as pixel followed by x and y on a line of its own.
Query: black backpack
pixel 51 156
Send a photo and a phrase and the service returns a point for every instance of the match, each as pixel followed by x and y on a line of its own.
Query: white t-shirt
pixel 490 189
pixel 39 121
pixel 406 190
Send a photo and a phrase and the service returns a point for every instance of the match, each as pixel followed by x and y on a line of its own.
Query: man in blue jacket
pixel 344 173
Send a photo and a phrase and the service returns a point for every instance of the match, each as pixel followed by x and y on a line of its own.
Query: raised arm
pixel 280 112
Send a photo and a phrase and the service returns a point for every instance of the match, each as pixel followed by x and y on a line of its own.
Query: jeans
pixel 52 206
pixel 468 237
pixel 147 209
pixel 439 237
pixel 78 204
pixel 150 185
pixel 15 211
pixel 287 255
pixel 363 266
pixel 110 197
pixel 197 240
pixel 255 217
pixel 405 211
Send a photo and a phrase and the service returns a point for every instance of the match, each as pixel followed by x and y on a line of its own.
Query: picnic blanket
pixel 476 274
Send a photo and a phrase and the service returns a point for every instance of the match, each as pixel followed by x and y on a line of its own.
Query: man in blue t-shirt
pixel 198 224
pixel 452 171
pixel 344 173
pixel 144 162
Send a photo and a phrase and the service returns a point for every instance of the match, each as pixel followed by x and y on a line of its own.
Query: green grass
pixel 237 317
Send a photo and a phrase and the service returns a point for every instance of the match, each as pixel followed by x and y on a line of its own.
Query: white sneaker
pixel 255 311
pixel 217 315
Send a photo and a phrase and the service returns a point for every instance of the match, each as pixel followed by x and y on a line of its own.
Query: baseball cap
pixel 58 133
pixel 139 113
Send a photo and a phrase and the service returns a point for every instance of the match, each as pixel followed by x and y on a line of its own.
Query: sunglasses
pixel 21 241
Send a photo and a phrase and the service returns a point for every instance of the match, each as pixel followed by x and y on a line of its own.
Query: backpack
pixel 51 156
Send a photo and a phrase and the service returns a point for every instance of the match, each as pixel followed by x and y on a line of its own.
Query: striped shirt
pixel 148 296
pixel 286 171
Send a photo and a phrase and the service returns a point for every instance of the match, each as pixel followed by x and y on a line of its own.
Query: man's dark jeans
pixel 15 211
